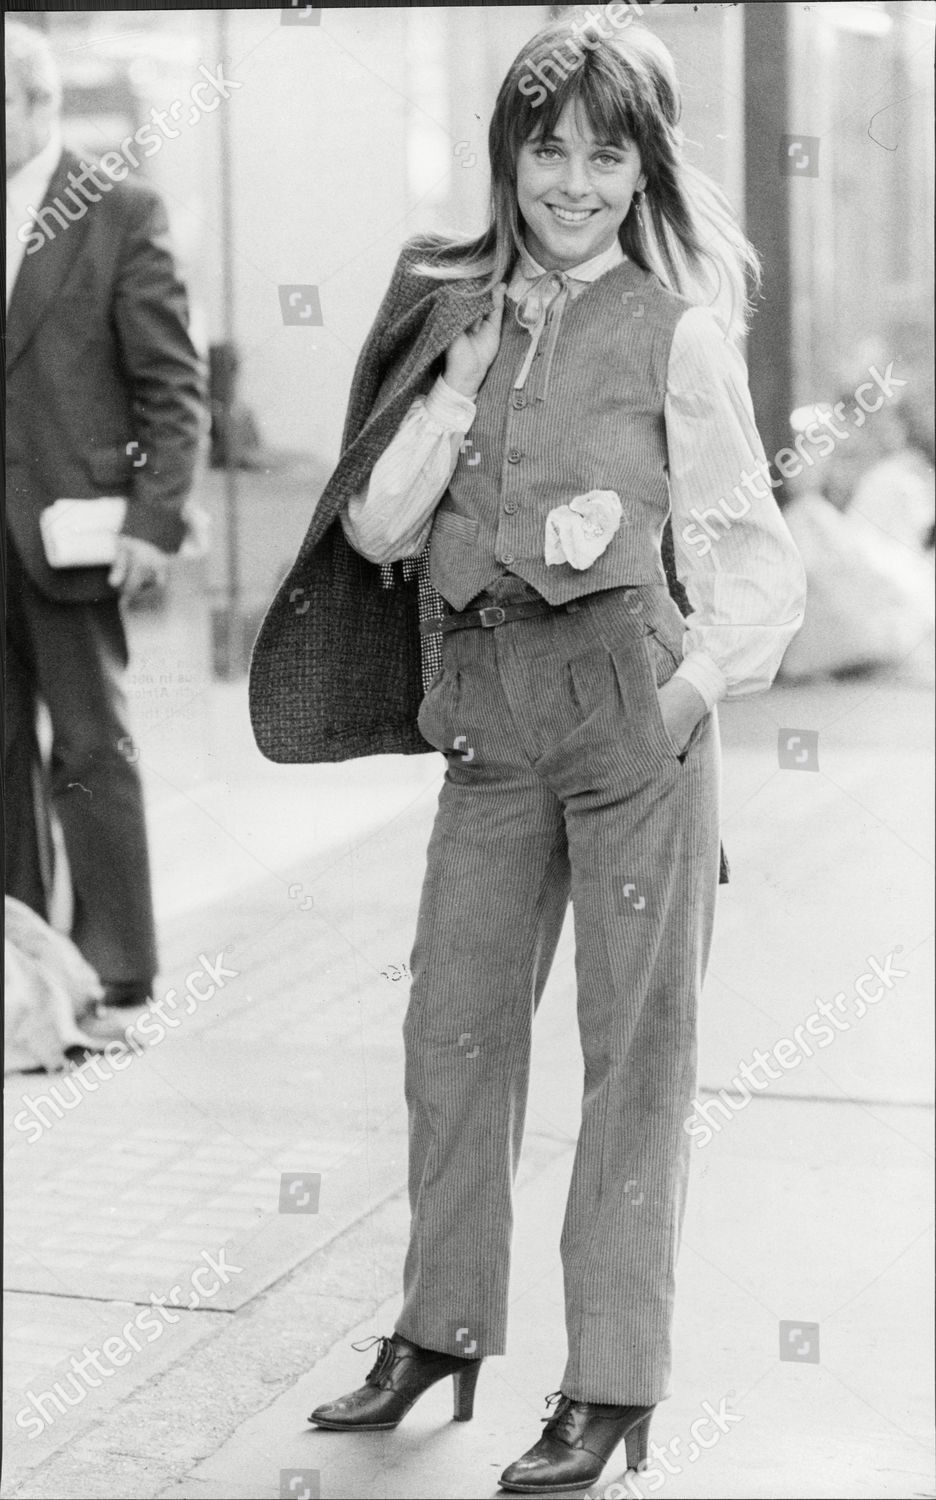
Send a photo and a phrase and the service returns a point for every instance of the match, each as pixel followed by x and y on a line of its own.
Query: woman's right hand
pixel 470 355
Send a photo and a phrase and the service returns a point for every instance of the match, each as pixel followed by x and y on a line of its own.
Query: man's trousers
pixel 561 781
pixel 73 657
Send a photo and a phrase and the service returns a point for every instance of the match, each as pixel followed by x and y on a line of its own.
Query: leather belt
pixel 490 615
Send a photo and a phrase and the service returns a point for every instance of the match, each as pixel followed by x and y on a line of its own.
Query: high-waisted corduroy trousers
pixel 561 781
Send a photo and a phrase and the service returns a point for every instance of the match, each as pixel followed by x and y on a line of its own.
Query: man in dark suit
pixel 104 398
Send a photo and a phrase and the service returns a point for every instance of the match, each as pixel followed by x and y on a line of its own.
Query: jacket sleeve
pixel 164 376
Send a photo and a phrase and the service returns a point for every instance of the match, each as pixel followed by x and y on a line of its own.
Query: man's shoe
pixel 127 992
pixel 402 1373
pixel 577 1442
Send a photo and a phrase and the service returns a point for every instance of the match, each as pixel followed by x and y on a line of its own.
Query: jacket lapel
pixel 417 339
pixel 43 273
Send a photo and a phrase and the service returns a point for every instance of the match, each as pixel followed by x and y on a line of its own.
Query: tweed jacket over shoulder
pixel 336 667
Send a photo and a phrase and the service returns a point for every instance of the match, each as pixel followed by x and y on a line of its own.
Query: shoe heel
pixel 636 1443
pixel 464 1382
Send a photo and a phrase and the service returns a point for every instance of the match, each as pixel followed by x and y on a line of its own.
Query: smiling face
pixel 574 191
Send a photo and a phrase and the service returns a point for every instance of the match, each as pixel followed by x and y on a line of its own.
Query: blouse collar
pixel 586 270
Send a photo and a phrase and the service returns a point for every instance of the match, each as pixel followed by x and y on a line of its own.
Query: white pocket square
pixel 579 532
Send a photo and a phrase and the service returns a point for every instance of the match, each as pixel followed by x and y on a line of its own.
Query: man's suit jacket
pixel 104 387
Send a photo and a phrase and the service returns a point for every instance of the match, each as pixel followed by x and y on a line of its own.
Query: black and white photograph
pixel 468 751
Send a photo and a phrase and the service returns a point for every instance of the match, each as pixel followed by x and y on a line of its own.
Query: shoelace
pixel 385 1355
pixel 555 1418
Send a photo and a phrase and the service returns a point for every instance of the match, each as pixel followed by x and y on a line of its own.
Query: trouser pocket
pixel 436 712
pixel 662 662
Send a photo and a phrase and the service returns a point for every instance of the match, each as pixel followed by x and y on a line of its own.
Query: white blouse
pixel 734 553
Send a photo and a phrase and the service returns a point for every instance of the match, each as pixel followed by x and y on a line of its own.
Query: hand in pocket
pixel 681 707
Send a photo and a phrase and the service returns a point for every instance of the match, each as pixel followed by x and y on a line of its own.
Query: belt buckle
pixel 492 609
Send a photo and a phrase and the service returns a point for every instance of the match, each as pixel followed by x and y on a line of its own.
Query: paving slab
pixel 830 870
pixel 42 1338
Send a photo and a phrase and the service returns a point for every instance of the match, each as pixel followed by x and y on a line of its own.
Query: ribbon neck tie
pixel 548 294
pixel 538 298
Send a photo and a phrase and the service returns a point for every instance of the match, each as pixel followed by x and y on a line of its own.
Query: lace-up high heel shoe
pixel 401 1373
pixel 577 1442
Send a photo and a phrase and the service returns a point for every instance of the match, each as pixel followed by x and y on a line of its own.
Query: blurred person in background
pixel 863 517
pixel 883 473
pixel 863 524
pixel 103 399
pixel 583 343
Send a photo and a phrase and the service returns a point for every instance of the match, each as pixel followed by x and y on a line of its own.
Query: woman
pixel 575 707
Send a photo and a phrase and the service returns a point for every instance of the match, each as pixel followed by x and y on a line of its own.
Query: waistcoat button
pixel 508 559
pixel 514 456
pixel 511 507
pixel 519 400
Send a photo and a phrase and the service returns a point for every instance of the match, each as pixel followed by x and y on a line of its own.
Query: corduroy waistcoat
pixel 599 426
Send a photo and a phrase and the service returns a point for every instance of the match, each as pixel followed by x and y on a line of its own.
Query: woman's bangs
pixel 600 103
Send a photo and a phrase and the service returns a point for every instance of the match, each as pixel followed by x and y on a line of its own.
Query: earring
pixel 636 201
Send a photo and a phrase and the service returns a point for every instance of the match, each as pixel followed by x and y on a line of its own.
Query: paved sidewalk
pixel 809 1201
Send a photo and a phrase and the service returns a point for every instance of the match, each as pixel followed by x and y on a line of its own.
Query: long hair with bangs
pixel 625 87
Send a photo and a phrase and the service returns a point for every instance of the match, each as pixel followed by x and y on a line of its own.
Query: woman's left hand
pixel 682 707
pixel 471 354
